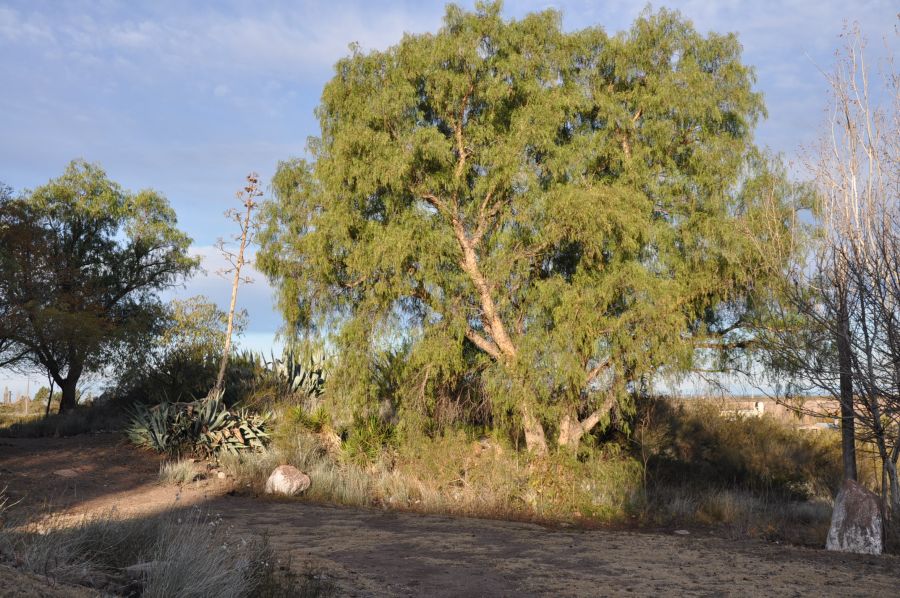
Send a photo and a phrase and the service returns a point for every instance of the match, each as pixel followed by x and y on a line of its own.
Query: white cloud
pixel 135 35
pixel 16 28
pixel 289 39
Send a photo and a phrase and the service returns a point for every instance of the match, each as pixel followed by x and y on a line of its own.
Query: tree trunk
pixel 69 399
pixel 571 430
pixel 49 398
pixel 535 439
pixel 894 482
pixel 848 427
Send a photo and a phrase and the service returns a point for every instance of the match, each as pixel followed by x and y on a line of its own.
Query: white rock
pixel 856 522
pixel 287 480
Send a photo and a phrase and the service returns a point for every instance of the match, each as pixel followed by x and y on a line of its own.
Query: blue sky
pixel 188 97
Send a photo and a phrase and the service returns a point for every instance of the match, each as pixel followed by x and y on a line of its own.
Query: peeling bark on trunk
pixel 500 347
pixel 570 431
pixel 535 439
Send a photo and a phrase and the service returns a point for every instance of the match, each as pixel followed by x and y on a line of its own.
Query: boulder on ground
pixel 856 522
pixel 287 480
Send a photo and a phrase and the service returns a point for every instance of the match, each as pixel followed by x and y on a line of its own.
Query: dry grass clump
pixel 196 557
pixel 179 554
pixel 333 480
pixel 5 503
pixel 179 472
pixel 741 514
pixel 450 474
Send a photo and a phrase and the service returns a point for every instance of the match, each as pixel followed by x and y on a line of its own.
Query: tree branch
pixel 484 344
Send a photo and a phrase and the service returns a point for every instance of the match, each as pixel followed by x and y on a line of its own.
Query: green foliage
pixel 155 428
pixel 196 327
pixel 81 264
pixel 559 215
pixel 240 430
pixel 181 363
pixel 315 421
pixel 367 438
pixel 203 426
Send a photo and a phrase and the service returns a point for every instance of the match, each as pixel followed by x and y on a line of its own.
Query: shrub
pixel 300 377
pixel 367 438
pixel 315 420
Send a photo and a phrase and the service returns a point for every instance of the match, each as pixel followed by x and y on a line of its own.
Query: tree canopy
pixel 81 263
pixel 560 216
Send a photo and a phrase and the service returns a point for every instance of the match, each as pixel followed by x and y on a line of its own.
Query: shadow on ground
pixel 369 552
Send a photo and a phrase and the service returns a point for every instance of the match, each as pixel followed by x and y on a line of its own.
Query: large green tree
pixel 81 264
pixel 564 215
pixel 10 353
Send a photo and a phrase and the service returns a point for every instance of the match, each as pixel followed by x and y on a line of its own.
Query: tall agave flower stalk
pixel 247 196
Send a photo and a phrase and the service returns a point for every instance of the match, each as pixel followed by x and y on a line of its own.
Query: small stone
pixel 221 475
pixel 682 532
pixel 856 522
pixel 287 480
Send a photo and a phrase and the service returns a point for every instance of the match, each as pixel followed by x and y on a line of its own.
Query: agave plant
pixel 300 376
pixel 154 427
pixel 239 431
pixel 204 426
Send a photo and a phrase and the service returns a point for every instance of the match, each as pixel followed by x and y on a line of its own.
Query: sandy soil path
pixel 380 553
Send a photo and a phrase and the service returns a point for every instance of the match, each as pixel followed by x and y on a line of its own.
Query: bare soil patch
pixel 384 553
pixel 18 584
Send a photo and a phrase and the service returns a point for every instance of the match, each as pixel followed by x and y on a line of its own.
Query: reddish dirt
pixel 381 553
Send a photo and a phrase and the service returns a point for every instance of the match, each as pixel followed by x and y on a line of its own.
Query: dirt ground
pixel 382 553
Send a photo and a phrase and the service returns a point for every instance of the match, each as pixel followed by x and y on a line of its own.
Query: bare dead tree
pixel 836 324
pixel 244 219
pixel 857 172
